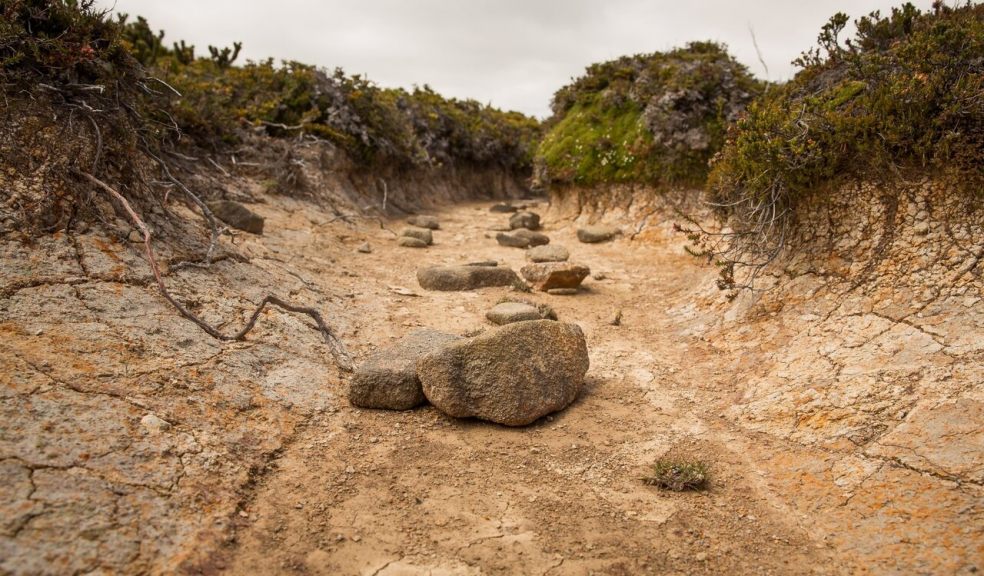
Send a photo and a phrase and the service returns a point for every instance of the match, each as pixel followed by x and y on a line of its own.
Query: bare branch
pixel 337 349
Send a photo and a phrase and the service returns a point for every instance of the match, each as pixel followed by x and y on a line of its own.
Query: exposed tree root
pixel 334 344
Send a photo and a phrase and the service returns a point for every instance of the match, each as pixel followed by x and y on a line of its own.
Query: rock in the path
pixel 511 240
pixel 522 238
pixel 528 220
pixel 408 242
pixel 562 291
pixel 424 221
pixel 535 238
pixel 509 312
pixel 236 215
pixel 388 379
pixel 503 208
pixel 597 233
pixel 422 234
pixel 453 278
pixel 511 375
pixel 548 253
pixel 365 248
pixel 546 276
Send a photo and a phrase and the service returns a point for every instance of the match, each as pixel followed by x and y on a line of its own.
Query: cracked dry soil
pixel 133 443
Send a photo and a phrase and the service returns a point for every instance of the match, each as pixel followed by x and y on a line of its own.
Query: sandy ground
pixel 265 468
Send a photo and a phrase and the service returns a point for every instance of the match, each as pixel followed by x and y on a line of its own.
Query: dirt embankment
pixel 840 412
pixel 860 356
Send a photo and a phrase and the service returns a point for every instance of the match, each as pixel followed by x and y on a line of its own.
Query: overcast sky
pixel 511 53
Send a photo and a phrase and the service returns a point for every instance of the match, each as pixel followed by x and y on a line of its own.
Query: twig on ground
pixel 337 349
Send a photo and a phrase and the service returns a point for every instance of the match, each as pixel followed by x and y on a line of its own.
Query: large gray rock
pixel 597 233
pixel 528 220
pixel 422 234
pixel 549 253
pixel 452 278
pixel 546 276
pixel 388 378
pixel 236 215
pixel 424 221
pixel 409 242
pixel 509 312
pixel 511 375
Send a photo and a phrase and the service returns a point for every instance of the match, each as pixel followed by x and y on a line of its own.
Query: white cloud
pixel 512 53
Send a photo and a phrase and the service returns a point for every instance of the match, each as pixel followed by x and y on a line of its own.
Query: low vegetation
pixel 904 97
pixel 678 475
pixel 651 118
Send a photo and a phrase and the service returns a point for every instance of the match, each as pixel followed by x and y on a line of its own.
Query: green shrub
pixel 678 475
pixel 905 95
pixel 653 118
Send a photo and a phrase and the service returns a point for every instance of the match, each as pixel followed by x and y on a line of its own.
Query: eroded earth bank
pixel 840 412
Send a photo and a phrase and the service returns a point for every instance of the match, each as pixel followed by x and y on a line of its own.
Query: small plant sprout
pixel 678 475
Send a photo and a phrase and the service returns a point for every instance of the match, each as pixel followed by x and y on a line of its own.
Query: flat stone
pixel 365 248
pixel 388 378
pixel 546 276
pixel 408 242
pixel 511 375
pixel 597 233
pixel 483 263
pixel 456 278
pixel 548 253
pixel 528 220
pixel 503 208
pixel 535 238
pixel 154 424
pixel 563 291
pixel 423 234
pixel 509 312
pixel 512 240
pixel 237 215
pixel 424 221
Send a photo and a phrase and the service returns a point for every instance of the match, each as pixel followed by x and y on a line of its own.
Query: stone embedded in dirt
pixel 388 378
pixel 365 248
pixel 424 221
pixel 563 291
pixel 528 220
pixel 512 240
pixel 546 276
pixel 548 253
pixel 422 234
pixel 483 263
pixel 509 312
pixel 135 236
pixel 456 278
pixel 597 233
pixel 236 215
pixel 535 238
pixel 503 208
pixel 511 375
pixel 154 424
pixel 409 242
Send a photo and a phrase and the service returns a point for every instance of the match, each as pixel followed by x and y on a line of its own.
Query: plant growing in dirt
pixel 678 475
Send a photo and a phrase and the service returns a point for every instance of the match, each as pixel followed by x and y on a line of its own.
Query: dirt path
pixel 376 492
pixel 843 433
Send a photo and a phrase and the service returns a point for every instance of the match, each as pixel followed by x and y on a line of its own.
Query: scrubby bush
pixel 904 96
pixel 652 118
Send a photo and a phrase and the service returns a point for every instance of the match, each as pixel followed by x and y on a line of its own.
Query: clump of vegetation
pixel 650 118
pixel 904 95
pixel 678 475
pixel 409 128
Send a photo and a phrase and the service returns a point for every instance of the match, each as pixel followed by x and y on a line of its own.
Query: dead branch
pixel 206 212
pixel 337 349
